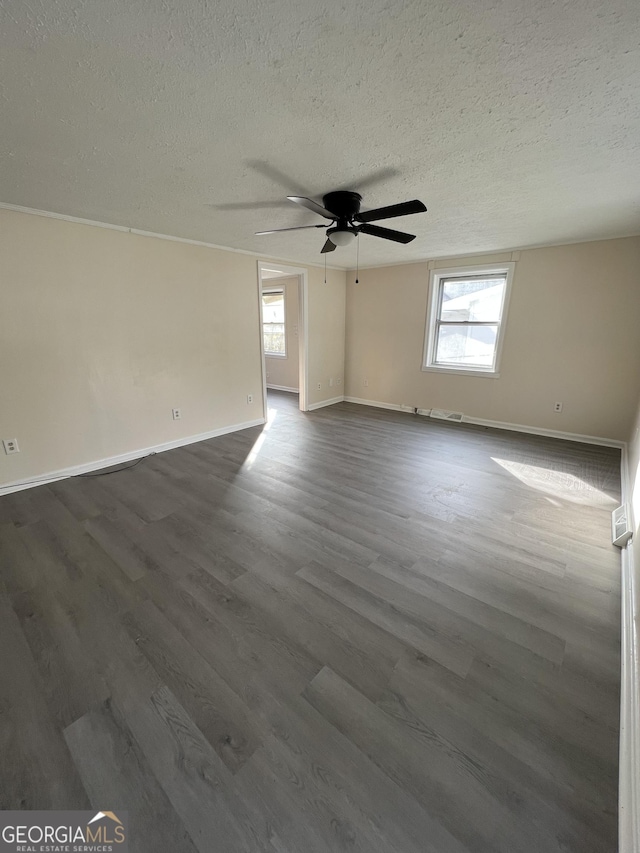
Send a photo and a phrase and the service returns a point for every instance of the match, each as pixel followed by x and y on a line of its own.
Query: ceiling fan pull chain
pixel 357 257
pixel 325 269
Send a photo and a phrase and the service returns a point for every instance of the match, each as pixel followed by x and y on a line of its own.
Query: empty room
pixel 320 426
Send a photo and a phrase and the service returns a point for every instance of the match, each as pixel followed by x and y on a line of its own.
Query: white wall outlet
pixel 10 445
pixel 319 386
pixel 249 399
pixel 177 414
pixel 557 407
pixel 365 382
pixel 338 381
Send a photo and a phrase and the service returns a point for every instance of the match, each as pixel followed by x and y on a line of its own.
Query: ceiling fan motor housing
pixel 343 204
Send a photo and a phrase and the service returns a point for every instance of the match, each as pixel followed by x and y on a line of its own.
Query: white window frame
pixel 436 278
pixel 281 289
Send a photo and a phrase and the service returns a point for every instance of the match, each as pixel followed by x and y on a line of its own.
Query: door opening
pixel 282 296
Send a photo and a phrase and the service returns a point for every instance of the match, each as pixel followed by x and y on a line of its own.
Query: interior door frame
pixel 303 329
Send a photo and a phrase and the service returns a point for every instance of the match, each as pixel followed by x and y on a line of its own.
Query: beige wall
pixel 571 336
pixel 284 372
pixel 326 334
pixel 103 332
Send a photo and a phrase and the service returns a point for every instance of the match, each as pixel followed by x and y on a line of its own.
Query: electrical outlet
pixel 365 382
pixel 177 414
pixel 557 407
pixel 10 445
pixel 338 381
pixel 249 399
pixel 319 386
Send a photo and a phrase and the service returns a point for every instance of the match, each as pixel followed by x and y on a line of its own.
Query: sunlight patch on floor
pixel 559 484
pixel 257 445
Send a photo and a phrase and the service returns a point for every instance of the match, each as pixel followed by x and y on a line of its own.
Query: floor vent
pixel 443 415
pixel 620 527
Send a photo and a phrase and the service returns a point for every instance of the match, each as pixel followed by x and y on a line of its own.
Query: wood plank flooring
pixel 353 630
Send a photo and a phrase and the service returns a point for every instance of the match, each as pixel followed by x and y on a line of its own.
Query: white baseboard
pixel 283 388
pixel 551 433
pixel 87 467
pixel 323 403
pixel 377 405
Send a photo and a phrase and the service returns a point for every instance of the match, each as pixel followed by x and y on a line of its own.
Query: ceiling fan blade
pixel 248 205
pixel 274 174
pixel 310 204
pixel 328 247
pixel 370 180
pixel 387 233
pixel 403 209
pixel 295 228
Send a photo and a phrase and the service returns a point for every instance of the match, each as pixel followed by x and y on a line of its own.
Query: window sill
pixel 275 355
pixel 487 374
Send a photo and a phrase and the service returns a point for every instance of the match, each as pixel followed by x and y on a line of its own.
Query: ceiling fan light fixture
pixel 341 236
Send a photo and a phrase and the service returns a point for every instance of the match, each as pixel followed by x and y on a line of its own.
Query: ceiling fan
pixel 343 209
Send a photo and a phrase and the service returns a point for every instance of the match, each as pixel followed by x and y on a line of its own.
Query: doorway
pixel 283 297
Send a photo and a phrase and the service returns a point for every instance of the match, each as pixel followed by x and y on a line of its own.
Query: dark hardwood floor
pixel 352 630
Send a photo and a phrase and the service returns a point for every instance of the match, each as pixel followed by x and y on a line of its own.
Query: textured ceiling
pixel 517 122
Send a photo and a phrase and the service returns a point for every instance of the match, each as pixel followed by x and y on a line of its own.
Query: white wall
pixel 571 336
pixel 103 332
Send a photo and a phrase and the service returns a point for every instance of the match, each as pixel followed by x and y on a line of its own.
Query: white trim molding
pixel 282 388
pixel 629 756
pixel 95 223
pixel 87 467
pixel 437 277
pixel 629 761
pixel 313 406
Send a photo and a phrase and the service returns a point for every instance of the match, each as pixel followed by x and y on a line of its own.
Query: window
pixel 465 321
pixel 273 322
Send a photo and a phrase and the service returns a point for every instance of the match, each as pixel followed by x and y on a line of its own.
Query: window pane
pixel 473 346
pixel 273 307
pixel 274 341
pixel 472 299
